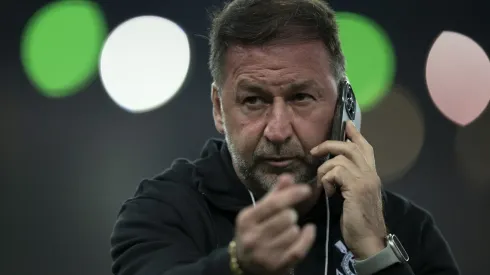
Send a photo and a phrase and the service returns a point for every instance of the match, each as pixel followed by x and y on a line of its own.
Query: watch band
pixel 380 261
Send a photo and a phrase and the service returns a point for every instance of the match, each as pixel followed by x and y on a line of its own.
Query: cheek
pixel 245 134
pixel 314 130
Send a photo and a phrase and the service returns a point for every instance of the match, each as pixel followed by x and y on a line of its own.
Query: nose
pixel 278 129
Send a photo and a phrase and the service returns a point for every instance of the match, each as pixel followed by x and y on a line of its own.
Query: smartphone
pixel 347 108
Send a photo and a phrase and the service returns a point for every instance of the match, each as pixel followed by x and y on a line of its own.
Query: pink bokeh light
pixel 458 77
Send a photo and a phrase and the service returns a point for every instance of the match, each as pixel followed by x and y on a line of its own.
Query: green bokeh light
pixel 370 58
pixel 61 46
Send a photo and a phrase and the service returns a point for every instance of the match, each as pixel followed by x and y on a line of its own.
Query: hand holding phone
pixel 351 177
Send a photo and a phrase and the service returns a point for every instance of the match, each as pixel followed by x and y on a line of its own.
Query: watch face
pixel 399 247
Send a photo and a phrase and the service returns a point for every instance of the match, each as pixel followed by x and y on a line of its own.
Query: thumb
pixel 283 181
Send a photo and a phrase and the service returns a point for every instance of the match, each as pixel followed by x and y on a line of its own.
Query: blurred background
pixel 98 95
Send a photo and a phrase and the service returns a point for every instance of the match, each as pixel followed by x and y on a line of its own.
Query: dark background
pixel 68 164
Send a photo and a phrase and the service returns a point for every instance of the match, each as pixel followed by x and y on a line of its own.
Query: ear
pixel 217 110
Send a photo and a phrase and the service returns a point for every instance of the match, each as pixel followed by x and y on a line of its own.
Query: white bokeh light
pixel 144 63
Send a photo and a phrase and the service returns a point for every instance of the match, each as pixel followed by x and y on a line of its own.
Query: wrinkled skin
pixel 276 101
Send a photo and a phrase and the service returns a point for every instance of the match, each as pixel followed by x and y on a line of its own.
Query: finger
pixel 329 187
pixel 338 176
pixel 245 219
pixel 339 160
pixel 283 181
pixel 286 238
pixel 279 200
pixel 247 216
pixel 329 181
pixel 348 149
pixel 356 137
pixel 300 247
pixel 278 223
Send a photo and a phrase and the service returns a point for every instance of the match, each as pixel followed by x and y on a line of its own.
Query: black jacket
pixel 181 222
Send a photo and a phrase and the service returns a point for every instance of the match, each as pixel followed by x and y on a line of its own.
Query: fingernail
pixel 312 151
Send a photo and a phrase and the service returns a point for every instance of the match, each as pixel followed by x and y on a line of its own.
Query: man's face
pixel 276 104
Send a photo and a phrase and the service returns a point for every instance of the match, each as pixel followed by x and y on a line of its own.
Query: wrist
pixel 368 248
pixel 392 254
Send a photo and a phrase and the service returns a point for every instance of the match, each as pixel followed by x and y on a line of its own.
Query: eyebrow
pixel 302 85
pixel 299 86
pixel 246 85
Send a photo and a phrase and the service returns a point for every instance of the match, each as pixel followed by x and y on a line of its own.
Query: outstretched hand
pixel 268 239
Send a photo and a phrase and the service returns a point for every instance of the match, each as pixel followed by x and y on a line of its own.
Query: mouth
pixel 278 162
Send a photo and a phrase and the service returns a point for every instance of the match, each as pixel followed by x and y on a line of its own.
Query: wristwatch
pixel 393 253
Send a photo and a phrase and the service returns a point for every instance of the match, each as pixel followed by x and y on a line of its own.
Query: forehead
pixel 278 64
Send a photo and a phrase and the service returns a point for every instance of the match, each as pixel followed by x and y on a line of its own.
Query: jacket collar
pixel 219 182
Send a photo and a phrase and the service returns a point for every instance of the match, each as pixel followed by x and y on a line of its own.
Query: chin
pixel 268 180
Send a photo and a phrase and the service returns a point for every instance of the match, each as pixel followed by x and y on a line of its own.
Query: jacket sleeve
pixel 432 256
pixel 149 239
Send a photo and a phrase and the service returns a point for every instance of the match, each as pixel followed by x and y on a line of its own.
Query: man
pixel 256 203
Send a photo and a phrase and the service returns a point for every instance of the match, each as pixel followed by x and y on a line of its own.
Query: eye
pixel 253 100
pixel 302 97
